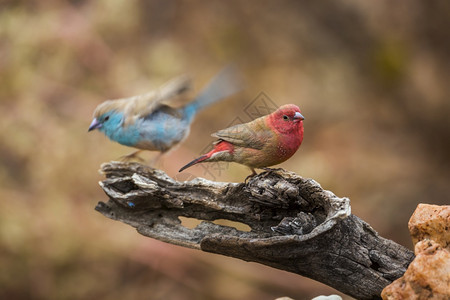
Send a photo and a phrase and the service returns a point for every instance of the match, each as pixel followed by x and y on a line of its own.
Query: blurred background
pixel 372 79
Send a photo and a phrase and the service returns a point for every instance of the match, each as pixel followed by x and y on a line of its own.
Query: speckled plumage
pixel 263 142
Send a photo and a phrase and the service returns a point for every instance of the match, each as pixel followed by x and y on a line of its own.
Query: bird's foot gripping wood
pixel 295 224
pixel 253 174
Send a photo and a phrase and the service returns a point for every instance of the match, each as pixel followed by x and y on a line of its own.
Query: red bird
pixel 261 143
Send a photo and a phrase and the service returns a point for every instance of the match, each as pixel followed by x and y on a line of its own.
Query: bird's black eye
pixel 106 118
pixel 285 118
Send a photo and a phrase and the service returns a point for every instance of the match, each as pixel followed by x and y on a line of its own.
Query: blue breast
pixel 158 131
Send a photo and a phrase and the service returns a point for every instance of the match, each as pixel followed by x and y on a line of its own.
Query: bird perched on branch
pixel 261 143
pixel 157 121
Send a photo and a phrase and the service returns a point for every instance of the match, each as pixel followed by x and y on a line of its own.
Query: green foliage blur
pixel 371 78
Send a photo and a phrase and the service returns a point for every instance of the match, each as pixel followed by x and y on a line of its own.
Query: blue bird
pixel 161 119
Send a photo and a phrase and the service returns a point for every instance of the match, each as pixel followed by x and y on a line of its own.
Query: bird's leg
pixel 156 159
pixel 133 155
pixel 251 175
pixel 269 170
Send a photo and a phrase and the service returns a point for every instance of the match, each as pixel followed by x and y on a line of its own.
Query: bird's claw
pixel 251 175
pixel 131 156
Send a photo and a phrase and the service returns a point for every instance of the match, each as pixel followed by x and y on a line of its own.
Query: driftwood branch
pixel 295 224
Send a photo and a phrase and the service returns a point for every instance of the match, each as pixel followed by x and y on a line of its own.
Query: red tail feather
pixel 219 147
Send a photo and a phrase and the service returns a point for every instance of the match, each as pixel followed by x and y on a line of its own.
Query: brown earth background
pixel 372 79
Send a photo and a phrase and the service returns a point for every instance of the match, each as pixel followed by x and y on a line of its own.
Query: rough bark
pixel 295 224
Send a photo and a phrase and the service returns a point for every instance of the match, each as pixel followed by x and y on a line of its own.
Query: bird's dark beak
pixel 298 116
pixel 95 125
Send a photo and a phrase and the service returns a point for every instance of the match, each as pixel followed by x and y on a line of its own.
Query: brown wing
pixel 143 105
pixel 249 135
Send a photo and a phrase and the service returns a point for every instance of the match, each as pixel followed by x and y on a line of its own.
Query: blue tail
pixel 226 83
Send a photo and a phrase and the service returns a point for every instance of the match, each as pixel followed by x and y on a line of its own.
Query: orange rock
pixel 431 222
pixel 428 276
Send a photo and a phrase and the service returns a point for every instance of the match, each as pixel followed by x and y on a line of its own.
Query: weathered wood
pixel 295 224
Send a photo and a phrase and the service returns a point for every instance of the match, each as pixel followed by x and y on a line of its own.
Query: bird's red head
pixel 287 119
